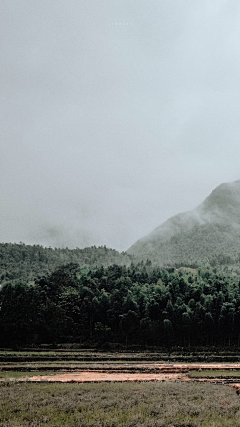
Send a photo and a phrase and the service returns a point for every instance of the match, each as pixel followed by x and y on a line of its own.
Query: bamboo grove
pixel 126 305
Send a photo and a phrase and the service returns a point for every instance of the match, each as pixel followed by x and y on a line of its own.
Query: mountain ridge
pixel 216 221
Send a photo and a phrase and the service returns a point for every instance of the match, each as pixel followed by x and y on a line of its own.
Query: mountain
pixel 210 231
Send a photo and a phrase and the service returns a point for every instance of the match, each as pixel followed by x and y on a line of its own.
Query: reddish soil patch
pixel 83 377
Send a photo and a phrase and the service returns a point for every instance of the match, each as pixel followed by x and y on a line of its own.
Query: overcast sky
pixel 115 115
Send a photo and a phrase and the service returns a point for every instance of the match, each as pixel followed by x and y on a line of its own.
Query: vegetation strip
pixel 118 404
pixel 135 305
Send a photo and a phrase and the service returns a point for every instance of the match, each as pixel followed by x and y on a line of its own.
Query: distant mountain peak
pixel 224 202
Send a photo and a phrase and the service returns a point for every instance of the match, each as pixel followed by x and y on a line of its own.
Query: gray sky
pixel 115 115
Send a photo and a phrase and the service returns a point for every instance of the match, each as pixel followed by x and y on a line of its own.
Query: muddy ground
pixel 141 372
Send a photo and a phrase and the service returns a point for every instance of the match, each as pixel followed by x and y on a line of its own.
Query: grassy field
pixel 118 405
pixel 214 374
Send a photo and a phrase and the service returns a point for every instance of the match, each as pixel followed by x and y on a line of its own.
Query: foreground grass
pixel 211 373
pixel 115 405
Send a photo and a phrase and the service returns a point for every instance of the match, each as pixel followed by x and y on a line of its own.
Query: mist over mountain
pixel 211 229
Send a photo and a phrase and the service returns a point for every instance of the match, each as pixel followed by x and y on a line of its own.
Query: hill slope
pixel 26 262
pixel 211 229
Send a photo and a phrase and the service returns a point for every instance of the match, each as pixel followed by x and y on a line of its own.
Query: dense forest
pixel 26 262
pixel 122 305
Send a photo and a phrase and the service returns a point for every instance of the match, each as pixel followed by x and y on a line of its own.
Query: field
pixel 118 404
pixel 133 391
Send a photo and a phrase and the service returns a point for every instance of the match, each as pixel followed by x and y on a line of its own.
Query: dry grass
pixel 118 405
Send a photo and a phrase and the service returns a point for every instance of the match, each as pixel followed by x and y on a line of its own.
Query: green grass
pixel 214 373
pixel 118 405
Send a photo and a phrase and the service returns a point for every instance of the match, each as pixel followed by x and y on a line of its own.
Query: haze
pixel 116 115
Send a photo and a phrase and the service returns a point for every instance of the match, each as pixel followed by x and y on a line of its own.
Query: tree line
pixel 135 305
pixel 26 262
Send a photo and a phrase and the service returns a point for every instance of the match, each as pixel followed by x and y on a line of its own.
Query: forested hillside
pixel 26 262
pixel 215 244
pixel 127 305
pixel 208 233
